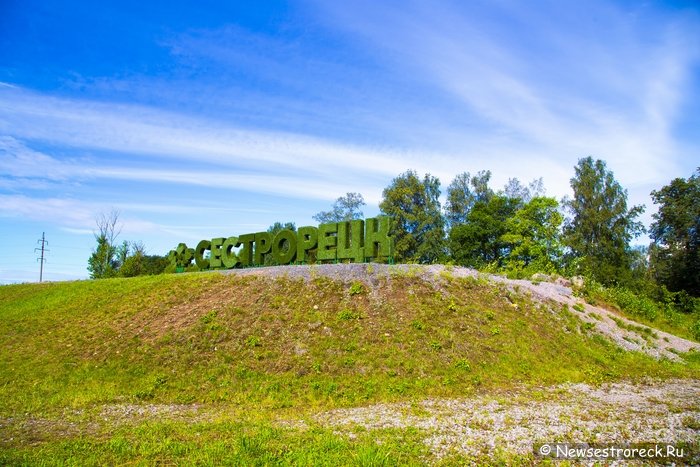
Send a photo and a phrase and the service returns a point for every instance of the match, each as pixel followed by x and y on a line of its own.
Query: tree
pixel 463 192
pixel 103 261
pixel 675 251
pixel 345 208
pixel 515 189
pixel 132 259
pixel 154 264
pixel 418 224
pixel 532 236
pixel 278 226
pixel 601 226
pixel 478 242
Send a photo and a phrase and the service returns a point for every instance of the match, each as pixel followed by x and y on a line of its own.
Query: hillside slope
pixel 259 343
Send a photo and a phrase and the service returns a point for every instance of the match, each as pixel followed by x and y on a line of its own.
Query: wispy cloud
pixel 73 215
pixel 565 88
pixel 147 131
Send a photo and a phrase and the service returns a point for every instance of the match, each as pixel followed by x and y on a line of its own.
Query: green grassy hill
pixel 246 351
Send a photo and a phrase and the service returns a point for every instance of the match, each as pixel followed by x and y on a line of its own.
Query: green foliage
pixel 357 288
pixel 479 242
pixel 345 208
pixel 463 364
pixel 601 226
pixel 623 298
pixel 464 191
pixel 284 248
pixel 516 231
pixel 253 341
pixel 695 330
pixel 532 238
pixel 675 252
pixel 133 265
pixel 103 263
pixel 418 224
pixel 263 247
pixel 129 259
pixel 346 314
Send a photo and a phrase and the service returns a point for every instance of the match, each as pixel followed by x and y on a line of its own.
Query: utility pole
pixel 41 260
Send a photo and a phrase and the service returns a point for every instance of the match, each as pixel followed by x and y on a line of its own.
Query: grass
pixel 250 345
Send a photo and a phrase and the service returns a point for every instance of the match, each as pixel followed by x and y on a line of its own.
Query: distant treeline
pixel 516 230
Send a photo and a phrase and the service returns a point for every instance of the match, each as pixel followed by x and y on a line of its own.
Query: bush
pixel 695 330
pixel 623 298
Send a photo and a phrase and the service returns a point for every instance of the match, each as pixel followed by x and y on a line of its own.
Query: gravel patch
pixel 619 413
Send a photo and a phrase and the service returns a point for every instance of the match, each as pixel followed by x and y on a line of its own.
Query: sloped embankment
pixel 619 329
pixel 289 335
pixel 80 359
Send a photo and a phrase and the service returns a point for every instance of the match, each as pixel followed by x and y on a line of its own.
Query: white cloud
pixel 17 160
pixel 535 90
pixel 149 132
pixel 71 215
pixel 554 81
pixel 65 212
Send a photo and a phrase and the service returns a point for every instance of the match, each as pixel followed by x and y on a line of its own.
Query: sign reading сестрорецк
pixel 355 241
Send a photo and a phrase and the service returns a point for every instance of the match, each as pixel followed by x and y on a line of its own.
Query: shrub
pixel 623 298
pixel 695 330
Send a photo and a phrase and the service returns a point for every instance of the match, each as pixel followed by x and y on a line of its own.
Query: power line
pixel 41 260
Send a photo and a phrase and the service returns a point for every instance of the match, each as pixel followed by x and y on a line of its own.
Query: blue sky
pixel 204 119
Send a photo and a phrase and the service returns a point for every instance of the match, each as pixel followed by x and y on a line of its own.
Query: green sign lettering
pixel 355 241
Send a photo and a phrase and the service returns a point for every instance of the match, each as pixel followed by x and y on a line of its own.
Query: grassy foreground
pixel 253 350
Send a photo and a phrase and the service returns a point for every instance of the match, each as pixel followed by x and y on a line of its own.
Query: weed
pixel 253 341
pixel 347 314
pixel 356 288
pixel 435 346
pixel 463 364
pixel 208 318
